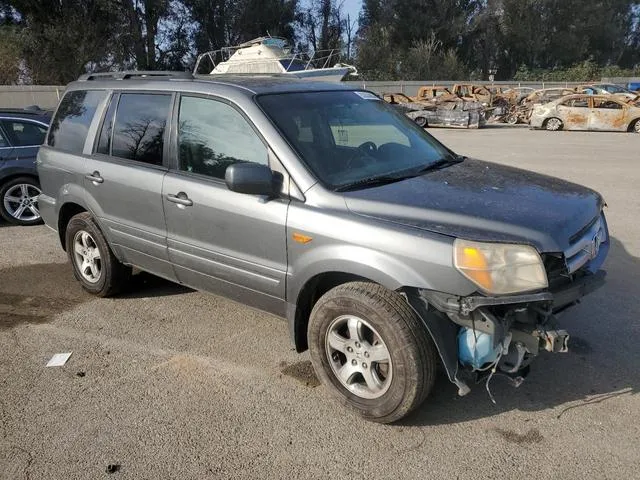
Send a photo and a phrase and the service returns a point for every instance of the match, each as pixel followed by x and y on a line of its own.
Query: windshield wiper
pixel 370 182
pixel 385 179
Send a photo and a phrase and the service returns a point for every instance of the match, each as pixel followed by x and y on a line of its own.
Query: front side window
pixel 213 135
pixel 71 123
pixel 138 132
pixel 348 138
pixel 577 103
pixel 24 133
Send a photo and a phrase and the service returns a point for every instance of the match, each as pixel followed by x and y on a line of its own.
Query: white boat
pixel 268 55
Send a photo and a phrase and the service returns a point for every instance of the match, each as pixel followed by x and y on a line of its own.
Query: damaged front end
pixel 480 335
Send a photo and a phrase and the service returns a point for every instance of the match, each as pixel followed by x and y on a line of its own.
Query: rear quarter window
pixel 72 120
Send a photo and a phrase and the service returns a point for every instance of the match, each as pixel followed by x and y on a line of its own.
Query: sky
pixel 352 7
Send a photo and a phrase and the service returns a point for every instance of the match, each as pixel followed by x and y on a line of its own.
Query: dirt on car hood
pixel 484 201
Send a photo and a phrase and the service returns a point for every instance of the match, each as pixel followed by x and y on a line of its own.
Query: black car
pixel 22 131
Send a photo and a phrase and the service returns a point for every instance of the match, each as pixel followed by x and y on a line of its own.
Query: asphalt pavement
pixel 165 382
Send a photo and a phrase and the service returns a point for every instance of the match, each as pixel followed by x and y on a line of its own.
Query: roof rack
pixel 135 74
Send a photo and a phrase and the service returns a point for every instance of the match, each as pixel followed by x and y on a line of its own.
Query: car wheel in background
pixel 421 122
pixel 372 352
pixel 553 124
pixel 19 201
pixel 94 264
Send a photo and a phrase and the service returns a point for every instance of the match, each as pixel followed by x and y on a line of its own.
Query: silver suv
pixel 386 252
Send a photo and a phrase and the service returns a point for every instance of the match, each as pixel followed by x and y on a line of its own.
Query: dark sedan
pixel 22 131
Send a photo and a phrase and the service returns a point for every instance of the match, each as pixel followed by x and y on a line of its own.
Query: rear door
pixel 574 113
pixel 607 114
pixel 123 178
pixel 222 241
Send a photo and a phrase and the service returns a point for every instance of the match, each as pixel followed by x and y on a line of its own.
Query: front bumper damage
pixel 520 326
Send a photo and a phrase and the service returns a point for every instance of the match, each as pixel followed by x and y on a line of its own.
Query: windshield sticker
pixel 367 95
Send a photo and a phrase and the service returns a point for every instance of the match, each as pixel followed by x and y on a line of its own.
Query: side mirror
pixel 250 178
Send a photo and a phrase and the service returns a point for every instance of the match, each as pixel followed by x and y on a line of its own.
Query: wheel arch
pixel 67 211
pixel 632 124
pixel 298 313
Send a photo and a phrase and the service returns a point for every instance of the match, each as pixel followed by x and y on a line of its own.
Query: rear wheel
pixel 94 264
pixel 371 351
pixel 553 124
pixel 19 201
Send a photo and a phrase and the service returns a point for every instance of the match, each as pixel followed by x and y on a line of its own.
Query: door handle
pixel 94 177
pixel 180 198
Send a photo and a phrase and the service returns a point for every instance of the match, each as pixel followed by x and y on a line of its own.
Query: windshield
pixel 348 137
pixel 614 89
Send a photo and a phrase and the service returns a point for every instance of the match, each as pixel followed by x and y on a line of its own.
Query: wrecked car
pixel 387 252
pixel 452 113
pixel 587 112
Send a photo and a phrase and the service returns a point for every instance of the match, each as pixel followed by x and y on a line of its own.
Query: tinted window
pixel 213 135
pixel 71 122
pixel 139 127
pixel 104 143
pixel 24 133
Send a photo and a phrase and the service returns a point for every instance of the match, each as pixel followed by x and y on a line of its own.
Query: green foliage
pixel 10 55
pixel 586 71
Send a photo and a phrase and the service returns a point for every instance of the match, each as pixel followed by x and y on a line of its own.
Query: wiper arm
pixel 385 179
pixel 370 182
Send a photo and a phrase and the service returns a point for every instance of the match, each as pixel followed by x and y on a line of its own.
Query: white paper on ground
pixel 59 359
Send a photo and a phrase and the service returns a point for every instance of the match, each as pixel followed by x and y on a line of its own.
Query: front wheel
pixel 635 127
pixel 372 352
pixel 553 124
pixel 94 264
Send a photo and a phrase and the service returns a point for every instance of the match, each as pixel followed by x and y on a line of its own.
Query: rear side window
pixel 71 123
pixel 24 133
pixel 138 132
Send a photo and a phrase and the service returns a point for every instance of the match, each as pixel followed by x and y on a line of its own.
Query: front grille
pixel 585 244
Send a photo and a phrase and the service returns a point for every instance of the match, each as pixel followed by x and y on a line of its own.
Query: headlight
pixel 499 268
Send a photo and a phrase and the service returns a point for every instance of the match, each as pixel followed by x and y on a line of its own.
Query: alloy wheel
pixel 87 256
pixel 358 357
pixel 21 202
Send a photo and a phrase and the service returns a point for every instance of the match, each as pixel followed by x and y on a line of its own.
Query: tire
pixel 94 264
pixel 19 201
pixel 382 325
pixel 512 119
pixel 421 122
pixel 553 124
pixel 635 126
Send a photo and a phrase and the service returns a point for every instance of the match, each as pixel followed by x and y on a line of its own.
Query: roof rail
pixel 135 74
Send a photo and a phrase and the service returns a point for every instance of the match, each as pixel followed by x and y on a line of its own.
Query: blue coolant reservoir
pixel 476 349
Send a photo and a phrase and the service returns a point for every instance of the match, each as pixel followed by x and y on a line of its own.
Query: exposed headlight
pixel 499 268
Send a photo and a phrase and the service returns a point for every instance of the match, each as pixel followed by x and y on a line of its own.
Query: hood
pixel 484 201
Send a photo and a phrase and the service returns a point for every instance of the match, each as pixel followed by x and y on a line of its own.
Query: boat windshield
pixel 352 137
pixel 293 65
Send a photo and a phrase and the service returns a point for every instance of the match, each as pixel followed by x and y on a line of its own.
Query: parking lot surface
pixel 165 382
